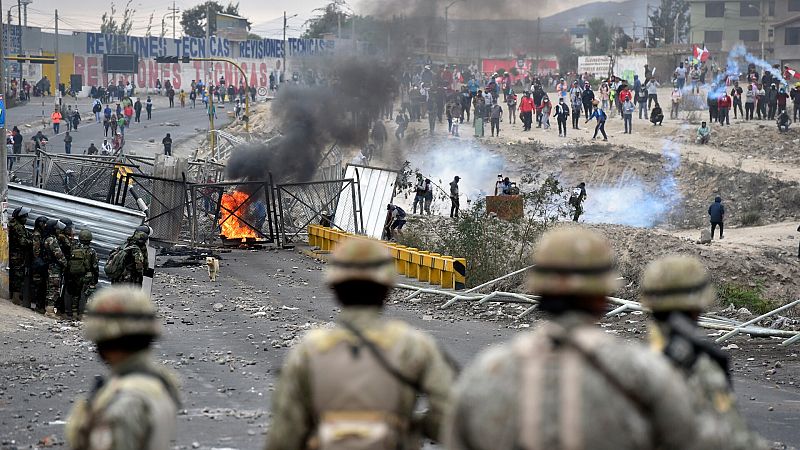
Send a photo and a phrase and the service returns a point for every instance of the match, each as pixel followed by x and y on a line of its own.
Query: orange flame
pixel 231 206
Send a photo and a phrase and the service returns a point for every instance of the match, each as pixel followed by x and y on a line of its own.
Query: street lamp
pixel 447 31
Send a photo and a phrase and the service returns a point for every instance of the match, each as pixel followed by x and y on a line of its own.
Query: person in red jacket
pixel 526 108
pixel 723 107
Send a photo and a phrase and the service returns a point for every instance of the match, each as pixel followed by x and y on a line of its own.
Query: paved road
pixel 191 122
pixel 228 360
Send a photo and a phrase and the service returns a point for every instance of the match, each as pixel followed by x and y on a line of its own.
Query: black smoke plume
pixel 312 119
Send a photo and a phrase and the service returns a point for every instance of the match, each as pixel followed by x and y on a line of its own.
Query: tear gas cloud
pixel 477 167
pixel 736 63
pixel 311 119
pixel 634 203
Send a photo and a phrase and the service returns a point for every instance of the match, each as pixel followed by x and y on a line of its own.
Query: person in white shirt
pixel 106 149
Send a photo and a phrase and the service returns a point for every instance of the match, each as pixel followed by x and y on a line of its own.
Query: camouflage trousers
pixel 39 290
pixel 78 290
pixel 16 277
pixel 54 287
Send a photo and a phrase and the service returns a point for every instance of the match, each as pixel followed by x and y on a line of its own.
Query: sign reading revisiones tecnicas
pixel 594 65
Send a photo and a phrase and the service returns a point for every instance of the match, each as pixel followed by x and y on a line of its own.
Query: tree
pixel 328 19
pixel 599 36
pixel 149 30
pixel 109 24
pixel 194 20
pixel 671 17
pixel 567 55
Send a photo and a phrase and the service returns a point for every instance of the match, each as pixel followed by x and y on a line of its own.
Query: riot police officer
pixel 39 265
pixel 56 262
pixel 19 250
pixel 82 272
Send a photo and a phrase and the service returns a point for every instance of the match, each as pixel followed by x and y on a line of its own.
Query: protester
pixel 561 115
pixel 723 108
pixel 717 216
pixel 675 104
pixel 703 134
pixel 167 142
pixel 657 115
pixel 601 117
pixel 67 143
pixel 627 115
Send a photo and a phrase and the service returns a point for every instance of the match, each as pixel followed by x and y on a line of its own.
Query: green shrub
pixel 744 297
pixel 751 218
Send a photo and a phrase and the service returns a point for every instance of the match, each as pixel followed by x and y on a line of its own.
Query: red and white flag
pixel 792 73
pixel 700 54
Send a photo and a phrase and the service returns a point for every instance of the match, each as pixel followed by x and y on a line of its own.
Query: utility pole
pixel 208 22
pixel 58 69
pixel 19 25
pixel 283 66
pixel 538 44
pixel 353 32
pixel 3 179
pixel 174 11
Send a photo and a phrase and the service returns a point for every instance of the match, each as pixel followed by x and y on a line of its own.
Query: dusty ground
pixel 227 341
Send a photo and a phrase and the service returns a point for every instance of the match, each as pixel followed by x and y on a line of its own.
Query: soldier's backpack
pixel 115 265
pixel 78 264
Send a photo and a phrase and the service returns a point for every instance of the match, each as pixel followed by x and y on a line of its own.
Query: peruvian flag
pixel 700 54
pixel 792 73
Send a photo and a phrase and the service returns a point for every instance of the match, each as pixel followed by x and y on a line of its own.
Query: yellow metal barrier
pixel 441 270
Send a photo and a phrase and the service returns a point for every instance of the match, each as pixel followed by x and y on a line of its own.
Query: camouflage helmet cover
pixel 572 260
pixel 85 236
pixel 676 283
pixel 119 311
pixel 363 260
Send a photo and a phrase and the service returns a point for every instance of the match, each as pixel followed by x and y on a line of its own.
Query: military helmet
pixel 85 236
pixel 360 259
pixel 139 237
pixel 676 282
pixel 50 225
pixel 40 221
pixel 119 311
pixel 22 211
pixel 572 261
pixel 144 229
pixel 67 222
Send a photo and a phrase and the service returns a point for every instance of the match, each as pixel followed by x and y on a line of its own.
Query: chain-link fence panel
pixel 300 204
pixel 91 177
pixel 234 212
pixel 24 168
pixel 164 200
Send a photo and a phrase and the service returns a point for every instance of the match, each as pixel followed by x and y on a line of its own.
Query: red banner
pixel 523 66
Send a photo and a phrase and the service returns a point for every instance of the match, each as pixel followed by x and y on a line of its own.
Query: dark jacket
pixel 716 211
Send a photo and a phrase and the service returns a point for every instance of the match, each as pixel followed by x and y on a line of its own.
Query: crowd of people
pixel 62 271
pixel 462 93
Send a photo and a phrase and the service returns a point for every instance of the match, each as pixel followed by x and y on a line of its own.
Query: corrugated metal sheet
pixel 376 190
pixel 110 225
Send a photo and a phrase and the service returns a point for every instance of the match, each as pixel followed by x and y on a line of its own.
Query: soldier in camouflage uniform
pixel 19 250
pixel 355 386
pixel 568 384
pixel 66 240
pixel 136 407
pixel 135 259
pixel 56 262
pixel 82 272
pixel 39 265
pixel 677 289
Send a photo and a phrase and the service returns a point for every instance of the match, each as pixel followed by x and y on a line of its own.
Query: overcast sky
pixel 266 15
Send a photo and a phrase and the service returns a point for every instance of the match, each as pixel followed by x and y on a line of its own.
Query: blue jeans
pixel 55 128
pixel 68 148
pixel 681 83
pixel 643 108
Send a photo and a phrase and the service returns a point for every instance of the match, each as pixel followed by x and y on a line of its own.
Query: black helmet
pixel 50 226
pixel 67 222
pixel 22 211
pixel 40 222
pixel 144 229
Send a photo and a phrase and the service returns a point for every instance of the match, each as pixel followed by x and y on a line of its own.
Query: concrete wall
pixel 731 23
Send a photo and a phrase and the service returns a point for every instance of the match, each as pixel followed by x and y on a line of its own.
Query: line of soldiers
pixel 565 385
pixel 58 265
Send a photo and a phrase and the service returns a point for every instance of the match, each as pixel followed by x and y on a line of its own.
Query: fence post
pixel 460 270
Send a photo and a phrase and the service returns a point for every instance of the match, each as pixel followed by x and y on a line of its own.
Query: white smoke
pixel 477 166
pixel 631 201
